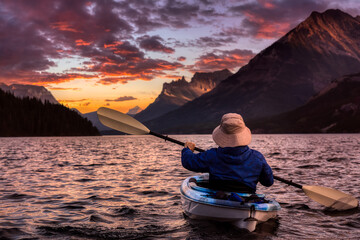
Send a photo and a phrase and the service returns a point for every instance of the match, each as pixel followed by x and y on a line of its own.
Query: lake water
pixel 127 187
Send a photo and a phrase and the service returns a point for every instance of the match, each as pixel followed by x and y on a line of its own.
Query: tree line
pixel 31 117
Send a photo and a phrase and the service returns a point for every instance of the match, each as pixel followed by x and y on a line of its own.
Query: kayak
pixel 244 210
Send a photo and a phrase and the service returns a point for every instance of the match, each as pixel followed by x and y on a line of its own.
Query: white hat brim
pixel 242 138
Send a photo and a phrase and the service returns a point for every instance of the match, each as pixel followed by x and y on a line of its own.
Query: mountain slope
pixel 280 78
pixel 30 117
pixel 177 93
pixel 133 111
pixel 336 109
pixel 94 119
pixel 31 91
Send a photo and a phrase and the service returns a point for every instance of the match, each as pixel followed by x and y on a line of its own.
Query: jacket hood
pixel 233 155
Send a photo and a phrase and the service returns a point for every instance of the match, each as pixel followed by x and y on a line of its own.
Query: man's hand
pixel 190 145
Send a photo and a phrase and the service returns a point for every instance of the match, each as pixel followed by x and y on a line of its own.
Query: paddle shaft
pixel 172 140
pixel 289 182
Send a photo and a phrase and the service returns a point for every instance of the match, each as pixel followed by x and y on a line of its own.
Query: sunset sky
pixel 119 53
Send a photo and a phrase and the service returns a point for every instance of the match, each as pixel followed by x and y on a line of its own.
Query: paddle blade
pixel 121 122
pixel 330 197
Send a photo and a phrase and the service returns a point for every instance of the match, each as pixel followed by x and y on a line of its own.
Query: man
pixel 233 166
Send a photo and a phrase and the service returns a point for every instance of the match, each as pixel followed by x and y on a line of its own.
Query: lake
pixel 127 187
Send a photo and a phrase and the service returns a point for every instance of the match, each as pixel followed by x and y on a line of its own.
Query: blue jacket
pixel 241 164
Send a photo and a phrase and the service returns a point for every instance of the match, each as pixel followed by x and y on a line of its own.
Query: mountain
pixel 336 109
pixel 280 78
pixel 31 117
pixel 32 91
pixel 177 93
pixel 92 117
pixel 133 111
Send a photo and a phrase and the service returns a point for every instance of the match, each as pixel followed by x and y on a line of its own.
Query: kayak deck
pixel 244 210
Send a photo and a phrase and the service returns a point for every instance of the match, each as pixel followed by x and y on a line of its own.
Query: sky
pixel 93 53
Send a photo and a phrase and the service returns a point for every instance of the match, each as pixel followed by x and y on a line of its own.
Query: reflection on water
pixel 127 187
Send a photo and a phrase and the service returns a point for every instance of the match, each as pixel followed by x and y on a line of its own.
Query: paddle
pixel 326 196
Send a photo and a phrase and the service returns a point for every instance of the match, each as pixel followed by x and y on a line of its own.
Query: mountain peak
pixel 133 111
pixel 216 76
pixel 325 20
pixel 328 18
pixel 280 78
pixel 328 13
pixel 178 92
pixel 330 32
pixel 173 86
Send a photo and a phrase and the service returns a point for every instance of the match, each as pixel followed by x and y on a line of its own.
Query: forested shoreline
pixel 31 117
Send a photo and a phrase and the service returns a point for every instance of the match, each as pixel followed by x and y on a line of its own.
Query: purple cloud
pixel 154 43
pixel 43 31
pixel 121 99
pixel 218 60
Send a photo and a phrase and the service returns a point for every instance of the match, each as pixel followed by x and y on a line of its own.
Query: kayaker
pixel 233 166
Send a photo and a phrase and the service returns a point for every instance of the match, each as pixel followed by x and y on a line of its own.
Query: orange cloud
pixel 64 26
pixel 63 89
pixel 47 78
pixel 266 29
pixel 267 4
pixel 81 42
pixel 113 45
pixel 223 59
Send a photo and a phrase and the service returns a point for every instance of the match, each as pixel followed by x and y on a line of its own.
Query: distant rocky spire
pixel 177 93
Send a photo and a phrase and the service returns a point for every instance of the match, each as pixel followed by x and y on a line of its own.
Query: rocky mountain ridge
pixel 179 92
pixel 32 91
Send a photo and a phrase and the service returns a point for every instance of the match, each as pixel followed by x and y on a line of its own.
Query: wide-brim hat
pixel 232 131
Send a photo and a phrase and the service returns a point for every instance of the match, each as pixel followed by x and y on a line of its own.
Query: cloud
pixel 42 78
pixel 123 71
pixel 218 60
pixel 178 14
pixel 39 33
pixel 97 31
pixel 24 51
pixel 64 89
pixel 181 58
pixel 272 19
pixel 154 43
pixel 85 104
pixel 233 32
pixel 72 101
pixel 121 99
pixel 212 42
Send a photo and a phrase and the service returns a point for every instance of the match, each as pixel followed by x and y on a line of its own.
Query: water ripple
pixel 127 187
